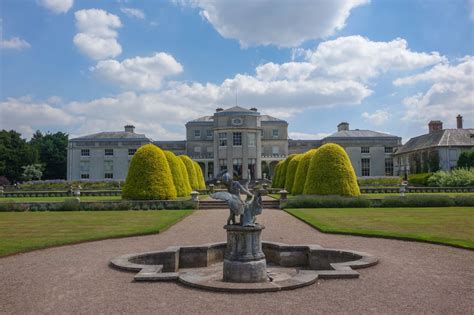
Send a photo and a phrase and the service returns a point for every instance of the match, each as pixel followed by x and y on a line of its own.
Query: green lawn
pixel 24 231
pixel 450 225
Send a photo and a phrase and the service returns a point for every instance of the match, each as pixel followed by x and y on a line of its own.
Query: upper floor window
pixel 365 150
pixel 251 139
pixel 388 149
pixel 197 149
pixel 237 138
pixel 275 133
pixel 197 133
pixel 209 133
pixel 222 139
pixel 132 151
pixel 85 152
pixel 109 152
pixel 210 149
pixel 275 150
pixel 237 121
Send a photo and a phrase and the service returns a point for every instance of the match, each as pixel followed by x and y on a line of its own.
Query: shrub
pixel 379 182
pixel 283 169
pixel 291 172
pixel 149 176
pixel 464 201
pixel 200 176
pixel 466 159
pixel 456 178
pixel 276 176
pixel 4 181
pixel 301 172
pixel 327 202
pixel 70 204
pixel 192 176
pixel 185 176
pixel 418 201
pixel 420 179
pixel 331 173
pixel 180 180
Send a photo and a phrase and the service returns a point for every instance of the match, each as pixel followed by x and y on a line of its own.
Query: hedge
pixel 192 176
pixel 331 173
pixel 200 176
pixel 149 176
pixel 291 172
pixel 327 202
pixel 420 179
pixel 180 180
pixel 283 171
pixel 418 201
pixel 461 177
pixel 301 172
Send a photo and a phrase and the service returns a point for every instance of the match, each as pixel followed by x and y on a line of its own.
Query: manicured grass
pixel 25 231
pixel 450 225
pixel 58 199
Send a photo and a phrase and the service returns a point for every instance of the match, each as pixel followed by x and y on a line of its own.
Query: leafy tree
pixel 466 159
pixel 32 172
pixel 52 151
pixel 14 154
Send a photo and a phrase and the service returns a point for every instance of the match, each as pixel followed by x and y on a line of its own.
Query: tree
pixel 466 159
pixel 200 175
pixel 301 172
pixel 14 154
pixel 291 172
pixel 52 151
pixel 32 172
pixel 283 169
pixel 180 178
pixel 192 175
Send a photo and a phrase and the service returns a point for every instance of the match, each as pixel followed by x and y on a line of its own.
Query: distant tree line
pixel 42 157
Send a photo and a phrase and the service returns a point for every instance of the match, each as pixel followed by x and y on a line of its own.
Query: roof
pixel 359 134
pixel 112 135
pixel 267 118
pixel 203 119
pixel 236 109
pixel 439 138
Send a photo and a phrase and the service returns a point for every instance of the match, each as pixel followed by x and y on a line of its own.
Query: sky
pixel 89 66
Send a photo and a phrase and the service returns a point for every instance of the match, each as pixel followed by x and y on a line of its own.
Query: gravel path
pixel 410 278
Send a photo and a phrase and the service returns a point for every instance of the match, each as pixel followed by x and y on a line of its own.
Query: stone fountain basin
pixel 288 266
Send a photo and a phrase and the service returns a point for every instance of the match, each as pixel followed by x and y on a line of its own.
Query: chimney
pixel 254 109
pixel 435 125
pixel 219 109
pixel 130 128
pixel 459 121
pixel 343 126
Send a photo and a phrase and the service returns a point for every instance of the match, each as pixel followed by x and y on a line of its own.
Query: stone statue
pixel 248 209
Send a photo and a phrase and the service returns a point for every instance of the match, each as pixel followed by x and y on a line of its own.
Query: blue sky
pixel 89 66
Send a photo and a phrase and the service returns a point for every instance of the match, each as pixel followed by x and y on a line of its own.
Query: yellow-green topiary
pixel 331 173
pixel 185 176
pixel 301 172
pixel 276 175
pixel 291 172
pixel 149 176
pixel 200 176
pixel 283 169
pixel 180 180
pixel 192 176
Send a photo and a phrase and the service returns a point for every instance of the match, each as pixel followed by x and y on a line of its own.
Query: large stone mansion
pixel 245 141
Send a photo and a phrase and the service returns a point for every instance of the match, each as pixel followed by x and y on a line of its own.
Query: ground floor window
pixel 210 170
pixel 388 167
pixel 365 167
pixel 84 176
pixel 222 164
pixel 237 166
pixel 109 175
pixel 252 168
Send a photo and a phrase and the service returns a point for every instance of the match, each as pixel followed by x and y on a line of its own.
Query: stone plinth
pixel 244 260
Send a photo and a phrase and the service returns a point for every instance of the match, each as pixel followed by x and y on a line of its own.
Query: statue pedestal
pixel 244 260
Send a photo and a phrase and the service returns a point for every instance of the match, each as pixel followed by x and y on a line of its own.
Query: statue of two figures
pixel 248 209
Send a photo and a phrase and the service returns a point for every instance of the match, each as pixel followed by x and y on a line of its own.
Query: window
pixel 237 139
pixel 222 164
pixel 109 152
pixel 275 133
pixel 251 167
pixel 197 149
pixel 251 139
pixel 84 176
pixel 197 133
pixel 109 175
pixel 210 149
pixel 365 150
pixel 108 169
pixel 84 168
pixel 388 167
pixel 237 165
pixel 209 133
pixel 275 150
pixel 388 149
pixel 236 121
pixel 132 151
pixel 365 167
pixel 85 152
pixel 222 139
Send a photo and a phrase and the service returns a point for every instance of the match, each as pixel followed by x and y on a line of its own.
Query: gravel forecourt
pixel 76 279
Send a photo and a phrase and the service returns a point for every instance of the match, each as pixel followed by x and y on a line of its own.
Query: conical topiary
pixel 187 184
pixel 149 176
pixel 331 173
pixel 301 172
pixel 192 176
pixel 200 176
pixel 291 172
pixel 179 179
pixel 276 174
pixel 283 169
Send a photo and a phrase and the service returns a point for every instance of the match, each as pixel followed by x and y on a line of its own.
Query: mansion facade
pixel 238 139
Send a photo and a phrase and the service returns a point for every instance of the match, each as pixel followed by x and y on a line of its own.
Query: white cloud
pixel 57 6
pixel 451 92
pixel 281 23
pixel 14 43
pixel 97 37
pixel 132 12
pixel 139 72
pixel 379 117
pixel 307 136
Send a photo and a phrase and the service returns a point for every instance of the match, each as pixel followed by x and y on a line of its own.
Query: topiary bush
pixel 420 179
pixel 149 176
pixel 283 169
pixel 200 176
pixel 291 172
pixel 187 184
pixel 276 176
pixel 180 180
pixel 192 176
pixel 331 173
pixel 302 170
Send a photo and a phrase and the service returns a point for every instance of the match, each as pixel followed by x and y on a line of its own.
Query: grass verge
pixel 450 225
pixel 25 231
